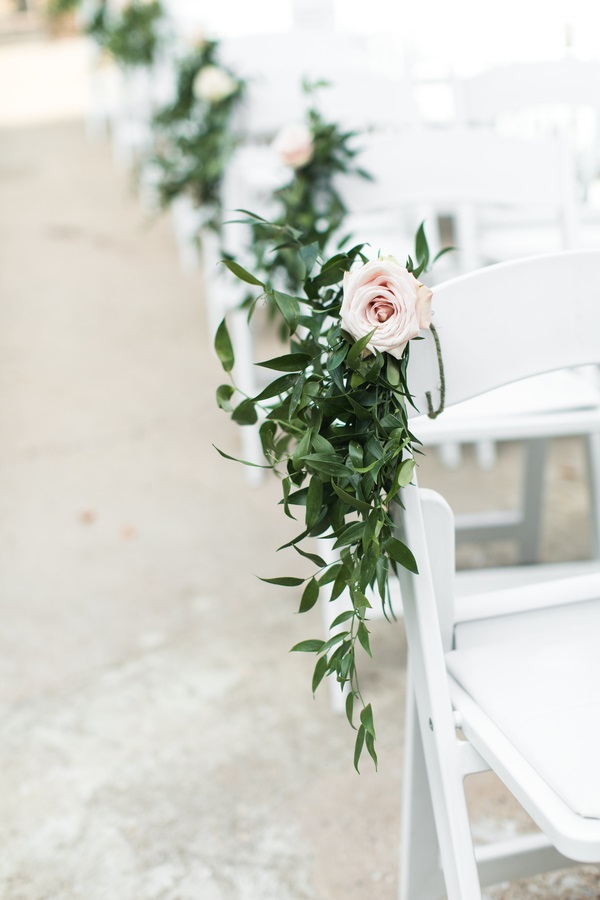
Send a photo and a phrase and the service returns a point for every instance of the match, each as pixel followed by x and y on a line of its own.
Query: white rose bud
pixel 294 145
pixel 213 84
pixel 384 296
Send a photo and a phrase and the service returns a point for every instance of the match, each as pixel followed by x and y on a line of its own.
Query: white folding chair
pixel 538 97
pixel 508 680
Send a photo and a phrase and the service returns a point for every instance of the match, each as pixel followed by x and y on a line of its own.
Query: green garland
pixel 193 137
pixel 309 201
pixel 335 430
pixel 132 38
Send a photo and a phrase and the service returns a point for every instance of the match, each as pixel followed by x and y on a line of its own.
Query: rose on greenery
pixel 197 39
pixel 294 145
pixel 213 84
pixel 385 296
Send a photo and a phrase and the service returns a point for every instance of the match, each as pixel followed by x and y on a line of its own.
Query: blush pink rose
pixel 385 296
pixel 294 145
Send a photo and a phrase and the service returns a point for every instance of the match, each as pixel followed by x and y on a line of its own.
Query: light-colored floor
pixel 157 740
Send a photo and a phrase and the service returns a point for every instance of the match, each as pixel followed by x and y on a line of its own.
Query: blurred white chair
pixel 556 97
pixel 516 671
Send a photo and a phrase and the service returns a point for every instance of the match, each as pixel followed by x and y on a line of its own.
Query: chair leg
pixel 421 877
pixel 592 450
pixel 428 872
pixel 530 532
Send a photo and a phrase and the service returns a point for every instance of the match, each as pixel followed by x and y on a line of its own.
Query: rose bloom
pixel 294 145
pixel 213 84
pixel 385 296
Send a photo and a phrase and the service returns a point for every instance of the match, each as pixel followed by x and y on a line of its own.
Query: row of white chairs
pixel 514 670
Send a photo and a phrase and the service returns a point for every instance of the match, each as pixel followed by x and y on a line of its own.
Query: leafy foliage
pixel 194 139
pixel 335 429
pixel 56 8
pixel 131 38
pixel 309 201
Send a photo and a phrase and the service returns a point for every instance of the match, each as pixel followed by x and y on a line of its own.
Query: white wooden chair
pixel 541 98
pixel 508 680
pixel 557 96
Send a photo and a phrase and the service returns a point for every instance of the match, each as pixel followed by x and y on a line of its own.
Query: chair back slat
pixel 508 322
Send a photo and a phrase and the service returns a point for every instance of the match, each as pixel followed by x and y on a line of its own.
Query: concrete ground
pixel 158 741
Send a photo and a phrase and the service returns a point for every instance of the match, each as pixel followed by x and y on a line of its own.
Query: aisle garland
pixel 335 429
pixel 316 151
pixel 193 136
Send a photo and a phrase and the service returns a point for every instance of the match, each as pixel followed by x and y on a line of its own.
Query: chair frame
pixel 435 816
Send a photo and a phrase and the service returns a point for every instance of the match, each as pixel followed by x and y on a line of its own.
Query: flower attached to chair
pixel 384 296
pixel 334 428
pixel 294 145
pixel 214 84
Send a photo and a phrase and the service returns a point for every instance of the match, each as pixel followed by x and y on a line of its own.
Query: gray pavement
pixel 157 739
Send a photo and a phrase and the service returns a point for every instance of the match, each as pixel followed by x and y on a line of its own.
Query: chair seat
pixel 536 675
pixel 504 413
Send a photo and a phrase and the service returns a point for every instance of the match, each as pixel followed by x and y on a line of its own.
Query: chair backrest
pixel 557 96
pixel 568 82
pixel 510 321
pixel 461 172
pixel 275 66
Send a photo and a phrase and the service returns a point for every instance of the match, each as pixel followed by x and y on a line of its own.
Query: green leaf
pixel 352 534
pixel 331 574
pixel 421 249
pixel 241 273
pixel 361 601
pixel 289 308
pixel 323 463
pixel 224 394
pixel 317 560
pixel 357 348
pixel 310 595
pixel 291 362
pixel 244 462
pixel 340 584
pixel 343 617
pixel 403 476
pixel 356 453
pixel 363 637
pixel 284 581
pixel 319 673
pixel 392 370
pixel 347 498
pixel 350 707
pixel 310 646
pixel 314 500
pixel 337 356
pixel 309 254
pixel 224 347
pixel 366 718
pixel 400 553
pixel 279 386
pixel 358 746
pixel 333 640
pixel 443 253
pixel 370 742
pixel 245 413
